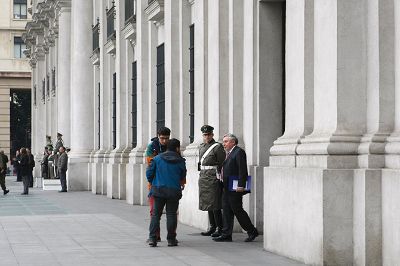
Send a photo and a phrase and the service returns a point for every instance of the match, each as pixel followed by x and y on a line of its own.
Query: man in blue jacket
pixel 167 175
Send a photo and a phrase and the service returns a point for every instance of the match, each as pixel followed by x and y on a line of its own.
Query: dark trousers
pixel 172 221
pixel 19 176
pixel 232 205
pixel 30 179
pixel 215 218
pixel 25 182
pixel 63 179
pixel 3 181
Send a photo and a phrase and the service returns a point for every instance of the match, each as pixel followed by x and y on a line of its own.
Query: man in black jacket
pixel 62 166
pixel 235 164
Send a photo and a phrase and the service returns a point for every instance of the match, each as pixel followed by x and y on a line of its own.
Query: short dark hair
pixel 173 144
pixel 164 131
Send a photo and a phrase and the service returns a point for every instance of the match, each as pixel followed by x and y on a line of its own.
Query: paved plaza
pixel 79 228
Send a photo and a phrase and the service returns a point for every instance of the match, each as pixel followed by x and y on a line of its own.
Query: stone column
pixel 81 96
pixel 218 67
pixel 63 93
pixel 299 82
pixel 390 174
pixel 322 184
pixel 135 185
pixel 184 75
pixel 171 49
pixel 119 156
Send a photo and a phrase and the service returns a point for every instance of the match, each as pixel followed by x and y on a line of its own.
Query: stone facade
pixel 309 87
pixel 15 73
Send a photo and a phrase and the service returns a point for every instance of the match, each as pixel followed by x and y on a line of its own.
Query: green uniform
pixel 209 186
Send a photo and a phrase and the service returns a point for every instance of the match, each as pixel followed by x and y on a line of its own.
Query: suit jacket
pixel 235 165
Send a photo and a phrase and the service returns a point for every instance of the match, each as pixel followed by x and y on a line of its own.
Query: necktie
pixel 222 169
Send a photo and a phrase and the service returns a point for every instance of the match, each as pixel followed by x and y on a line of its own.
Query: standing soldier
pixel 59 144
pixel 212 156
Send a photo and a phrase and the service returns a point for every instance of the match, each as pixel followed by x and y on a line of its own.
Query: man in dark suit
pixel 235 164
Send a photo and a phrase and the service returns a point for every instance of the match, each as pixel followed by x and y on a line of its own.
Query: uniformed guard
pixel 59 144
pixel 212 155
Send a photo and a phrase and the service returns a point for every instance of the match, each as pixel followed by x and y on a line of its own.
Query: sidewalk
pixel 79 228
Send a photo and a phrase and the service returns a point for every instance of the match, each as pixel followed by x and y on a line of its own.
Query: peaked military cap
pixel 207 129
pixel 59 134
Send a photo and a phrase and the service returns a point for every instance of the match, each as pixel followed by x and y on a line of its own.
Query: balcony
pixel 155 10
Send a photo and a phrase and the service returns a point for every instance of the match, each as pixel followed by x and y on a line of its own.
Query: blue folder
pixel 233 183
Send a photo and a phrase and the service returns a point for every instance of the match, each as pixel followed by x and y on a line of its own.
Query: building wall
pixel 309 87
pixel 14 72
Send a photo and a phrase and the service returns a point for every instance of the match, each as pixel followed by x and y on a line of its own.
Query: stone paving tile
pixel 79 228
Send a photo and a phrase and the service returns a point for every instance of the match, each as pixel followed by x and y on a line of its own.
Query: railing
pixel 110 22
pixel 130 11
pixel 95 32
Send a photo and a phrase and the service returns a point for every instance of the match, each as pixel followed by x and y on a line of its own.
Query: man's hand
pixel 182 187
pixel 239 189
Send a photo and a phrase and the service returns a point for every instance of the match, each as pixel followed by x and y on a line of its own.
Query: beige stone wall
pixel 15 73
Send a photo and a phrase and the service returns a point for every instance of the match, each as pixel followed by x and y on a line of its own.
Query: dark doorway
pixel 20 120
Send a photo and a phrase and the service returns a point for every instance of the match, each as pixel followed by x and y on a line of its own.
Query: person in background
pixel 25 169
pixel 45 163
pixel 31 165
pixel 17 166
pixel 157 146
pixel 3 172
pixel 62 168
pixel 167 175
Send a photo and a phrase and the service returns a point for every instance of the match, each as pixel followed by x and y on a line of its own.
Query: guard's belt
pixel 207 167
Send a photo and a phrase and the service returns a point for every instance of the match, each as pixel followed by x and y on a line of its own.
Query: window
pixel 48 86
pixel 43 90
pixel 19 47
pixel 53 82
pixel 129 11
pixel 114 111
pixel 20 9
pixel 110 13
pixel 191 86
pixel 34 95
pixel 160 120
pixel 134 104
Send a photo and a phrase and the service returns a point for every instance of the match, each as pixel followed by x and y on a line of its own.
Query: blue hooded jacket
pixel 167 173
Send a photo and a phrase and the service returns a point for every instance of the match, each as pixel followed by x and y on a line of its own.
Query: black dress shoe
pixel 252 236
pixel 223 238
pixel 6 191
pixel 209 232
pixel 216 234
pixel 62 191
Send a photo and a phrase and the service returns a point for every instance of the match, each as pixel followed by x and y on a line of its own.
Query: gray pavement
pixel 79 228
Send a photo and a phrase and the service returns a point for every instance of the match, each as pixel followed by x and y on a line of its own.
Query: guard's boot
pixel 217 233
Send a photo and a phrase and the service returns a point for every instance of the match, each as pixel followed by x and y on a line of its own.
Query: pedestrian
pixel 62 166
pixel 17 166
pixel 3 171
pixel 235 165
pixel 157 146
pixel 167 175
pixel 45 163
pixel 56 154
pixel 31 165
pixel 25 168
pixel 212 156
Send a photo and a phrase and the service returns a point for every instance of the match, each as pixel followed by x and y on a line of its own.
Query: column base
pixel 78 174
pixel 308 214
pixel 189 212
pixel 390 216
pixel 136 181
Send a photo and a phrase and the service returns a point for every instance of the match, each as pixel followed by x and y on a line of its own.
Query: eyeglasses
pixel 164 138
pixel 207 134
